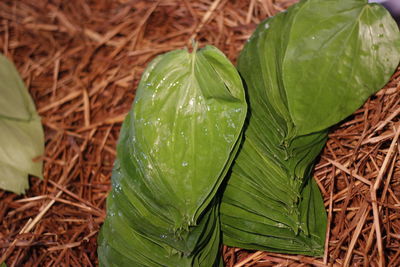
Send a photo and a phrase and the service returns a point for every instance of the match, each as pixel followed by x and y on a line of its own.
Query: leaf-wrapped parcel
pixel 21 131
pixel 305 70
pixel 175 147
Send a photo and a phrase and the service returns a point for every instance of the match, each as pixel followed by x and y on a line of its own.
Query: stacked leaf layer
pixel 175 148
pixel 305 70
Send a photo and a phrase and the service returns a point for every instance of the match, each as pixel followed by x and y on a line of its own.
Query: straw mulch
pixel 82 61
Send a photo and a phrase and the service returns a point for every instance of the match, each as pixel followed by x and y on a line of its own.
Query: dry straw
pixel 82 61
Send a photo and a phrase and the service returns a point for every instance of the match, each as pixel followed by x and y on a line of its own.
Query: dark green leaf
pixel 305 70
pixel 331 67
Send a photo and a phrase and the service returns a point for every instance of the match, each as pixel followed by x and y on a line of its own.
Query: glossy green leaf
pixel 21 132
pixel 175 148
pixel 354 49
pixel 305 70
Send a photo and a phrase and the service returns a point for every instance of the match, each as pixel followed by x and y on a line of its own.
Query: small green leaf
pixel 21 132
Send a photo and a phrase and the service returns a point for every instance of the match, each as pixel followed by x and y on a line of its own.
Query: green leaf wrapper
pixel 174 150
pixel 305 70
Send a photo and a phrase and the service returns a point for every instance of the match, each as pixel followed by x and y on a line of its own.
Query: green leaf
pixel 305 70
pixel 331 67
pixel 21 132
pixel 174 150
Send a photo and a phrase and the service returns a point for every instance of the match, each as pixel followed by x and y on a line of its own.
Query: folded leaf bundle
pixel 21 131
pixel 174 150
pixel 305 70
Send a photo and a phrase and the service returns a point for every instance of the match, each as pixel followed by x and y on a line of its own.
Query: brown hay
pixel 82 61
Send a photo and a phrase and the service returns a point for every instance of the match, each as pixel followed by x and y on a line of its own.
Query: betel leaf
pixel 21 132
pixel 305 70
pixel 174 150
pixel 354 49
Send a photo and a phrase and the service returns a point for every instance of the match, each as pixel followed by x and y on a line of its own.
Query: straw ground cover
pixel 81 61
